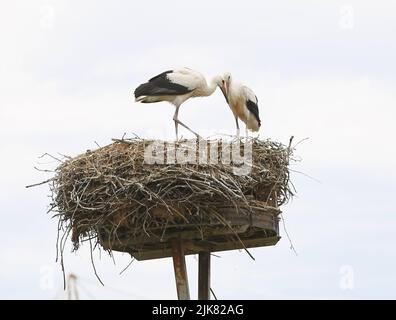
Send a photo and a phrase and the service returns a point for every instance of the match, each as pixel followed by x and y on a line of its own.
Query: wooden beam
pixel 166 251
pixel 179 264
pixel 204 275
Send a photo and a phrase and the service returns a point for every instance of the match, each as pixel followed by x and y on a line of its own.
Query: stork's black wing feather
pixel 253 108
pixel 161 75
pixel 161 85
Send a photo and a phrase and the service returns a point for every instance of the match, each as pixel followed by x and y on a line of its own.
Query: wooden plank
pixel 179 264
pixel 189 234
pixel 197 246
pixel 204 275
pixel 165 251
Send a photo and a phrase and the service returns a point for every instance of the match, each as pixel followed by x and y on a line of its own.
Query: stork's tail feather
pixel 143 90
pixel 140 99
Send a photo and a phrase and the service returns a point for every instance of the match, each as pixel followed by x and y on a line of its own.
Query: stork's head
pixel 227 77
pixel 225 84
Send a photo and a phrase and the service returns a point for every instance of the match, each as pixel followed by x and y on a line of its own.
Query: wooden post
pixel 204 275
pixel 179 264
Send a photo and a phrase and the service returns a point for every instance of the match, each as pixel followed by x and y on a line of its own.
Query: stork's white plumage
pixel 243 103
pixel 176 86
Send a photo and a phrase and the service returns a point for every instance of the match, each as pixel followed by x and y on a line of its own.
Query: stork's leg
pixel 182 124
pixel 237 126
pixel 177 122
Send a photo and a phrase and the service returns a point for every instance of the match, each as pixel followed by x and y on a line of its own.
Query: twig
pixel 287 234
pixel 93 263
pixel 43 170
pixel 40 183
pixel 211 290
pixel 129 264
pixel 306 175
pixel 122 141
pixel 51 156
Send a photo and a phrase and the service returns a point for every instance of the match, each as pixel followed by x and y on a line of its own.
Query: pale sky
pixel 321 71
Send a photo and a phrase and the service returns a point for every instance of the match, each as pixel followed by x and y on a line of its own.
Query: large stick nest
pixel 113 191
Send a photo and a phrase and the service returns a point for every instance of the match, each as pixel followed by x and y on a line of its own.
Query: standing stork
pixel 243 103
pixel 176 86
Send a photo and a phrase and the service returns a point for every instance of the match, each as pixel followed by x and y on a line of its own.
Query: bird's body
pixel 243 103
pixel 176 86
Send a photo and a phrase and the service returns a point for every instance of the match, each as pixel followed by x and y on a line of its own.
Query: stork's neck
pixel 211 87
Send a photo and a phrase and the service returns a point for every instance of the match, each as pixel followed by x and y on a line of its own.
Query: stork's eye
pixel 222 81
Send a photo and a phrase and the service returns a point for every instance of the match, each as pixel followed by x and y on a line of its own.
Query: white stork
pixel 176 86
pixel 243 103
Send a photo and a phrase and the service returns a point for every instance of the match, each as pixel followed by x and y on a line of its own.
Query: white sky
pixel 67 73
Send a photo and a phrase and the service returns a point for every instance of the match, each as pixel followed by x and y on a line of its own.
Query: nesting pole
pixel 179 264
pixel 204 275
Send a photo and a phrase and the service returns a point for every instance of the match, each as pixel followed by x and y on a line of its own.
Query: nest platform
pixel 112 196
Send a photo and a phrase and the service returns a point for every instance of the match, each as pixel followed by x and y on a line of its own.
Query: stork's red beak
pixel 224 89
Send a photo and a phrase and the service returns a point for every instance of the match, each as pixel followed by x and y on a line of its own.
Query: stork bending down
pixel 176 86
pixel 243 103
